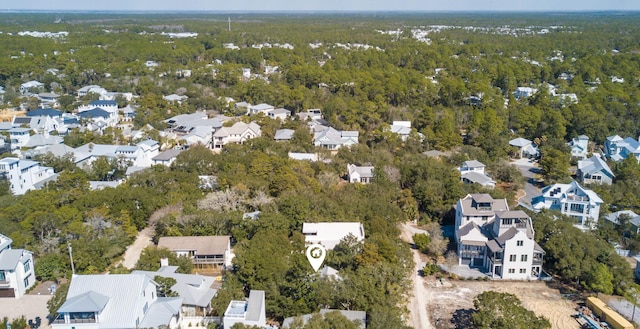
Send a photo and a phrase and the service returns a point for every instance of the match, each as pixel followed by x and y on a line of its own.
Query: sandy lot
pixel 450 304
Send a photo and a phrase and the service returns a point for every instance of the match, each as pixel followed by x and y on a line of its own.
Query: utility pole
pixel 73 269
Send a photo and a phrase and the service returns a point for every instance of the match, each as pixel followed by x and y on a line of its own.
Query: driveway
pixel 28 305
pixel 528 170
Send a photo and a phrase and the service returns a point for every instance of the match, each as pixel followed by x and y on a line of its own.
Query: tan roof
pixel 203 245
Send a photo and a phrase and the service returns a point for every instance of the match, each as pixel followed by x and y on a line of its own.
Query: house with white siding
pixel 573 200
pixel 104 301
pixel 24 175
pixel 17 272
pixel 496 240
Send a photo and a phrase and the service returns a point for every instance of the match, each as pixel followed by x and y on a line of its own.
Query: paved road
pixel 527 169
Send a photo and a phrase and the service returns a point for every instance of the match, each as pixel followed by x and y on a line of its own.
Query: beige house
pixel 205 252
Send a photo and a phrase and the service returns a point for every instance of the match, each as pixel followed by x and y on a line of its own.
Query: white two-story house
pixel 116 301
pixel 573 200
pixel 495 240
pixel 24 175
pixel 16 270
pixel 239 133
pixel 359 174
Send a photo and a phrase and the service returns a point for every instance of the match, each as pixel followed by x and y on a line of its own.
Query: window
pixel 27 266
pixel 26 281
pixel 512 270
pixel 523 270
pixel 523 258
pixel 145 308
pixel 519 243
pixel 512 258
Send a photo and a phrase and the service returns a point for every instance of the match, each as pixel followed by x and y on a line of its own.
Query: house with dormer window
pixel 496 240
pixel 573 200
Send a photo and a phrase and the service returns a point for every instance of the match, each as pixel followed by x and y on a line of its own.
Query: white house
pixel 95 89
pixel 359 174
pixel 472 172
pixel 104 301
pixel 281 114
pixel 526 149
pixel 333 139
pixel 284 135
pixel 472 166
pixel 330 234
pixel 239 133
pixel 261 108
pixel 572 200
pixel 24 175
pixel 16 270
pixel 579 147
pixel 251 312
pixel 618 149
pixel 632 217
pixel 173 98
pixel 594 170
pixel 139 155
pixel 402 129
pixel 524 92
pixel 19 137
pixel 31 85
pixel 166 158
pixel 496 240
pixel 195 289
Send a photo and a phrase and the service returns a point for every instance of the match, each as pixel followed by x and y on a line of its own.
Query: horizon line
pixel 312 11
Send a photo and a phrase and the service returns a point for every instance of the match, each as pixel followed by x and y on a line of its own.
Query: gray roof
pixel 203 245
pixel 633 217
pixel 468 205
pixel 519 142
pixel 284 134
pixel 10 258
pixel 360 316
pixel 167 155
pixel 594 165
pixel 89 301
pixel 364 171
pixel 161 312
pixel 195 289
pixel 494 246
pixel 255 305
pixel 123 290
pixel 476 177
pixel 472 164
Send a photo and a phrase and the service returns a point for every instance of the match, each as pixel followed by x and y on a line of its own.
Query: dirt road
pixel 131 256
pixel 418 301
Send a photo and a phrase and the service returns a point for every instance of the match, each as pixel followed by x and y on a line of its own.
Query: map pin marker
pixel 316 254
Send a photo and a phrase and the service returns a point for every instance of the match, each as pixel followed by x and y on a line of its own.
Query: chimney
pixel 164 261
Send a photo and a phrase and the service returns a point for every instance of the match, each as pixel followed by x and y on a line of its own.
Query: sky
pixel 324 5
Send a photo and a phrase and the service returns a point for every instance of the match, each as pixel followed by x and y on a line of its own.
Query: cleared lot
pixel 450 304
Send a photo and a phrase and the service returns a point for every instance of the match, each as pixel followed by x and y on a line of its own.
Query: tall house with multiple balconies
pixel 496 240
pixel 16 270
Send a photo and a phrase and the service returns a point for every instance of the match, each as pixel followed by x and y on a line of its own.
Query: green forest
pixel 456 89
